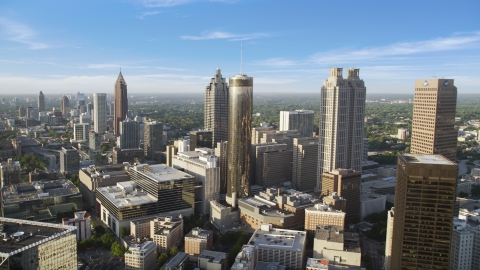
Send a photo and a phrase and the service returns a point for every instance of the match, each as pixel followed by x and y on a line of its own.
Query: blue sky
pixel 288 46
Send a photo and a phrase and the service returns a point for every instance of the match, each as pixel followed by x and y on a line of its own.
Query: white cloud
pixel 21 33
pixel 165 3
pixel 225 35
pixel 455 42
pixel 276 62
pixel 148 13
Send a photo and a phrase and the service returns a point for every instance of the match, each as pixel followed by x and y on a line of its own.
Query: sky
pixel 288 46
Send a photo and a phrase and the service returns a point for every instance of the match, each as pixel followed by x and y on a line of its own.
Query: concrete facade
pixel 100 112
pixel 300 120
pixel 305 161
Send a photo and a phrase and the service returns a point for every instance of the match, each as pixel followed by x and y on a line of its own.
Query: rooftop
pixel 213 256
pixel 143 247
pixel 269 237
pixel 38 190
pixel 126 194
pixel 269 266
pixel 112 170
pixel 19 235
pixel 176 260
pixel 199 233
pixel 317 263
pixel 161 172
pixel 427 159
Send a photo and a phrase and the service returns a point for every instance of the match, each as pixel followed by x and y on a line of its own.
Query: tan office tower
pixel 121 103
pixel 346 184
pixel 100 112
pixel 41 102
pixel 342 111
pixel 424 203
pixel 434 106
pixel 304 167
pixel 216 109
pixel 239 137
pixel 64 106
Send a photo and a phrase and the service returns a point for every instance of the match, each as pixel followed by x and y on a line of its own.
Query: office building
pixel 201 139
pixel 203 165
pixel 166 232
pixel 216 109
pixel 40 200
pixel 245 259
pixel 239 137
pixel 222 216
pixel 85 118
pixel 221 152
pixel 81 131
pixel 462 246
pixel 433 123
pixel 41 102
pixel 299 120
pixel 285 137
pixel 342 112
pixel 323 215
pixel 80 100
pixel 29 112
pixel 69 160
pixel 90 108
pixel 286 247
pixel 171 151
pixel 424 204
pixel 65 106
pixel 40 175
pixel 100 112
pixel 95 147
pixel 271 164
pixel 334 244
pixel 365 149
pixel 21 112
pixel 389 239
pixel 132 155
pixel 141 256
pixel 213 260
pixel 305 160
pixel 178 262
pixel 129 134
pixel 335 201
pixel 37 245
pixel 154 140
pixel 346 183
pixel 198 240
pixel 93 177
pixel 121 103
pixel 80 220
pixel 257 133
pixel 10 172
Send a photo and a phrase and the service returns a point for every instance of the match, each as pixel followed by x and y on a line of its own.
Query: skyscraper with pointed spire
pixel 216 108
pixel 121 103
pixel 41 102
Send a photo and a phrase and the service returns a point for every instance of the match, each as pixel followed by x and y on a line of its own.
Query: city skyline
pixel 58 53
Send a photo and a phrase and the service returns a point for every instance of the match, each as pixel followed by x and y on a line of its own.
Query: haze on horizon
pixel 166 46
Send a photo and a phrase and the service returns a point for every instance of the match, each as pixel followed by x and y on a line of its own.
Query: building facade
pixel 342 111
pixel 10 172
pixel 65 106
pixel 239 137
pixel 81 221
pixel 299 120
pixel 129 134
pixel 154 140
pixel 424 205
pixel 141 256
pixel 81 131
pixel 433 124
pixel 120 104
pixel 216 109
pixel 323 215
pixel 305 161
pixel 69 160
pixel 41 102
pixel 198 240
pixel 347 184
pixel 270 164
pixel 100 112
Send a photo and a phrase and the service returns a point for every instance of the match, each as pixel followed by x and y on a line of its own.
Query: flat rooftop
pixel 269 266
pixel 26 234
pixel 427 159
pixel 176 260
pixel 38 190
pixel 126 194
pixel 199 233
pixel 279 239
pixel 142 247
pixel 161 172
pixel 368 185
pixel 213 256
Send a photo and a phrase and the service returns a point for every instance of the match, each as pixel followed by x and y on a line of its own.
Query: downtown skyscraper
pixel 100 112
pixel 121 103
pixel 64 106
pixel 41 102
pixel 216 108
pixel 342 111
pixel 433 125
pixel 239 137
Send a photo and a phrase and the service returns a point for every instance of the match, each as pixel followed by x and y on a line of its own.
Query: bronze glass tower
pixel 239 137
pixel 121 103
pixel 216 109
pixel 434 107
pixel 424 204
pixel 41 102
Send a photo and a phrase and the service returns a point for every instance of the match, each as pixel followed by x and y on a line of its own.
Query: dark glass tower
pixel 41 102
pixel 121 103
pixel 239 137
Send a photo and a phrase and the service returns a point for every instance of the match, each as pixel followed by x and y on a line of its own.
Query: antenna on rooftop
pixel 241 57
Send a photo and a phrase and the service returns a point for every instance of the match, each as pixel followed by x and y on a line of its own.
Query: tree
pixel 124 232
pixel 162 259
pixel 117 249
pixel 173 251
pixel 462 194
pixel 107 240
pixel 99 229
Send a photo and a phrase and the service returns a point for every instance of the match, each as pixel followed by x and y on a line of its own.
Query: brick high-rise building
pixel 434 107
pixel 216 109
pixel 346 184
pixel 342 111
pixel 121 103
pixel 424 205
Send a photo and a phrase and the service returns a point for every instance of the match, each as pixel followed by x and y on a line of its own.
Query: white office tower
pixel 462 246
pixel 80 131
pixel 342 111
pixel 100 112
pixel 216 109
pixel 299 120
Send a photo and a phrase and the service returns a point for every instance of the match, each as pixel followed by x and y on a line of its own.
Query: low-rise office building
pixel 141 256
pixel 245 259
pixel 166 232
pixel 178 262
pixel 324 215
pixel 69 160
pixel 131 155
pixel 213 260
pixel 198 240
pixel 10 172
pixel 80 220
pixel 223 216
pixel 41 175
pixel 40 201
pixel 334 244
